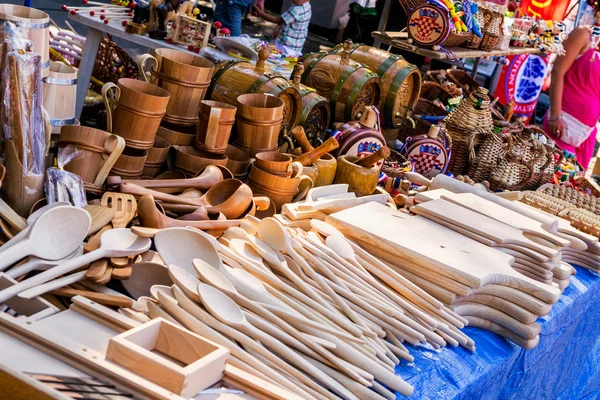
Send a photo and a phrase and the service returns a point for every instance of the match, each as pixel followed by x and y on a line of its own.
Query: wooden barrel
pixel 315 115
pixel 60 93
pixel 232 79
pixel 186 77
pixel 214 128
pixel 34 25
pixel 92 142
pixel 131 163
pixel 259 121
pixel 347 84
pixel 140 107
pixel 401 81
pixel 177 135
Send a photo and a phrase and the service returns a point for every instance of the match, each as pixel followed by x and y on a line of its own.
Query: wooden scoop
pixel 113 243
pixel 209 177
pixel 55 235
pixel 150 217
pixel 372 159
pixel 310 157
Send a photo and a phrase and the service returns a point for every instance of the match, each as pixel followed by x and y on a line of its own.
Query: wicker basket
pixel 409 5
pixel 511 173
pixel 475 40
pixel 488 155
pixel 428 107
pixel 407 129
pixel 463 80
pixel 112 63
pixel 540 160
pixel 434 91
pixel 396 165
pixel 456 39
pixel 491 32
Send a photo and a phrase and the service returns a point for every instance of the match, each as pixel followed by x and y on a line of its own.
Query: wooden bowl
pixel 238 161
pixel 177 135
pixel 278 183
pixel 191 161
pixel 275 163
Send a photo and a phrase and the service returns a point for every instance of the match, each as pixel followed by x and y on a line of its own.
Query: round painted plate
pixel 429 156
pixel 428 25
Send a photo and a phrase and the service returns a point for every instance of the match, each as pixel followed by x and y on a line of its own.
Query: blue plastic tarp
pixel 564 365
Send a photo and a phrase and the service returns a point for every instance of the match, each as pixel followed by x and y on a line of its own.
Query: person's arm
pixel 260 4
pixel 577 43
pixel 268 17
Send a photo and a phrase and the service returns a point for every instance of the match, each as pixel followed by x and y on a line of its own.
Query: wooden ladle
pixel 231 197
pixel 228 312
pixel 150 217
pixel 55 235
pixel 113 243
pixel 209 177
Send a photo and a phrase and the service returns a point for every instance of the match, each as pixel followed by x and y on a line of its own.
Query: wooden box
pixel 191 32
pixel 170 356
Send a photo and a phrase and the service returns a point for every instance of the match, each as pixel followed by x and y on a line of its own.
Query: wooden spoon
pixel 55 235
pixel 186 282
pixel 30 220
pixel 150 217
pixel 40 264
pixel 209 177
pixel 225 310
pixel 180 247
pixel 114 243
pixel 144 275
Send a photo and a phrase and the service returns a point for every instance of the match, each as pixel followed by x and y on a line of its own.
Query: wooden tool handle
pixel 115 97
pixel 368 117
pixel 212 128
pixel 417 179
pixel 136 190
pixel 300 136
pixel 374 158
pixel 111 160
pixel 263 54
pixel 262 202
pixel 154 66
pixel 106 299
pixel 309 158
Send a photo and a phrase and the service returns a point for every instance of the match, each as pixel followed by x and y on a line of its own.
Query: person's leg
pixel 236 14
pixel 221 14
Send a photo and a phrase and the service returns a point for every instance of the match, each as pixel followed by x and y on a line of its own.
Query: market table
pixel 563 366
pixel 96 29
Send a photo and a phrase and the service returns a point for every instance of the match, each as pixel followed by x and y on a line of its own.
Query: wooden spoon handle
pixel 309 158
pixel 374 158
pixel 132 188
pixel 106 299
pixel 300 136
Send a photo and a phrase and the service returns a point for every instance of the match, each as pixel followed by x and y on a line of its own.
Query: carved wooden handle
pixel 309 158
pixel 263 54
pixel 300 136
pixel 297 74
pixel 374 158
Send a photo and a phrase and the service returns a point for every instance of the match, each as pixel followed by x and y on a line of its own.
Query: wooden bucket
pixel 186 77
pixel 349 85
pixel 279 189
pixel 177 135
pixel 191 161
pixel 157 157
pixel 232 79
pixel 214 127
pixel 238 161
pixel 401 81
pixel 131 163
pixel 140 107
pixel 60 93
pixel 259 120
pixel 34 25
pixel 274 163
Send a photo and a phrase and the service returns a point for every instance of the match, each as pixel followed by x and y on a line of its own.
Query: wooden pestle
pixel 300 136
pixel 374 158
pixel 309 158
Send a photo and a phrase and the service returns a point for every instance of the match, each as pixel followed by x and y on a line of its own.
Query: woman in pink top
pixel 575 90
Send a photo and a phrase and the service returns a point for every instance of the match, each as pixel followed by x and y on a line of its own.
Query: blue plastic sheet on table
pixel 564 365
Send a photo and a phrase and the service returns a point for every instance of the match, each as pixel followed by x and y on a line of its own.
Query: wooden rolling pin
pixel 309 158
pixel 372 159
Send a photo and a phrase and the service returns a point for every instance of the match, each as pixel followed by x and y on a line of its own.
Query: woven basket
pixel 510 174
pixel 488 155
pixel 112 63
pixel 456 39
pixel 395 165
pixel 475 40
pixel 428 107
pixel 463 80
pixel 407 129
pixel 434 91
pixel 491 32
pixel 471 118
pixel 540 160
pixel 408 5
pixel 574 197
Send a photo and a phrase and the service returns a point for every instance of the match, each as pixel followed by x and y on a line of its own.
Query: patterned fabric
pixel 294 32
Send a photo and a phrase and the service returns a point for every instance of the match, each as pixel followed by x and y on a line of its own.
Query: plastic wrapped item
pixel 62 185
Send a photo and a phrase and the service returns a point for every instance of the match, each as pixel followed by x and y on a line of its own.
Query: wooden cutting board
pixel 439 249
pixel 498 231
pixel 502 214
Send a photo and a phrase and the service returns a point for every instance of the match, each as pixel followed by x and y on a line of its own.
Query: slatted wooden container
pixel 131 164
pixel 349 85
pixel 232 79
pixel 401 81
pixel 259 119
pixel 60 92
pixel 186 77
pixel 315 114
pixel 34 24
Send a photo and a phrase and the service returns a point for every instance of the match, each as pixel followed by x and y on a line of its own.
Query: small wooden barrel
pixel 140 106
pixel 259 121
pixel 315 115
pixel 131 163
pixel 401 81
pixel 349 85
pixel 214 128
pixel 157 157
pixel 92 142
pixel 232 79
pixel 186 77
pixel 191 161
pixel 60 93
pixel 34 25
pixel 177 135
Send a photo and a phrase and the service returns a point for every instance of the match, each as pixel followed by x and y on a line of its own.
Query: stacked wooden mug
pixel 159 113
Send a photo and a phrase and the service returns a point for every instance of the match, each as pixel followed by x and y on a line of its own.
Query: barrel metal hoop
pixel 386 65
pixel 354 94
pixel 311 65
pixel 217 75
pixel 256 85
pixel 61 82
pixel 28 25
pixel 393 92
pixel 335 93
